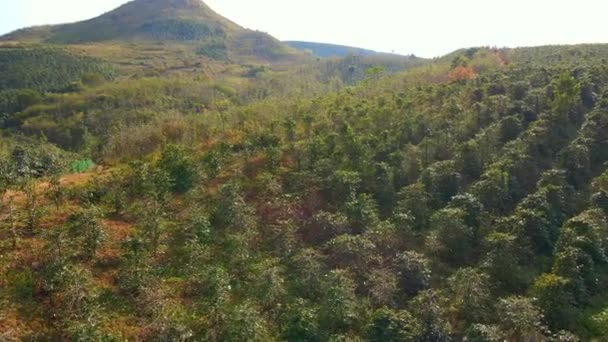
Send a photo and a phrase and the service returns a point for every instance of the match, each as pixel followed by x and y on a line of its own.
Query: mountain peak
pixel 184 4
pixel 177 20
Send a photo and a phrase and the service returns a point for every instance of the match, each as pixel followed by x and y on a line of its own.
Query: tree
pixel 33 211
pixel 343 186
pixel 232 212
pixel 382 287
pixel 178 166
pixel 493 190
pixel 520 320
pixel 306 270
pixel 554 297
pixel 566 95
pixel 339 302
pixel 510 128
pixel 355 252
pixel 7 179
pixel 299 323
pixel 151 223
pixel 475 213
pixel 442 181
pixel 454 237
pixel 461 73
pixel 468 160
pixel 427 309
pixel 470 298
pixel 269 285
pixel 600 200
pixel 362 213
pixel 576 159
pixel 385 187
pixel 413 270
pixel 501 261
pixel 600 323
pixel 245 323
pixel 392 325
pixel 416 202
pixel 55 191
pixel 324 226
pixel 483 333
pixel 580 250
pixel 85 229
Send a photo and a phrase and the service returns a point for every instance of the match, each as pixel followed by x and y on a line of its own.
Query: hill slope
pixel 46 69
pixel 465 199
pixel 330 50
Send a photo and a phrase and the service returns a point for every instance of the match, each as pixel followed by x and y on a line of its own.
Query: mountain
pixel 330 50
pixel 189 22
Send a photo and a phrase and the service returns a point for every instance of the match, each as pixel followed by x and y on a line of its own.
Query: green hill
pixel 329 50
pixel 188 22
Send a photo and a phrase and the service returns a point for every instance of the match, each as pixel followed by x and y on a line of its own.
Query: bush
pixel 176 163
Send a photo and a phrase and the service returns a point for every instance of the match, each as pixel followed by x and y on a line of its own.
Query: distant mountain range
pixel 330 50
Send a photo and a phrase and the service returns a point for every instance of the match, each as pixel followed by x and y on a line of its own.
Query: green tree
pixel 392 325
pixel 300 323
pixel 554 297
pixel 306 269
pixel 427 309
pixel 502 261
pixel 355 252
pixel 362 213
pixel 455 239
pixel 245 323
pixel 520 320
pixel 413 270
pixel 178 166
pixel 470 299
pixel 343 186
pixel 232 212
pixel 339 302
pixel 86 230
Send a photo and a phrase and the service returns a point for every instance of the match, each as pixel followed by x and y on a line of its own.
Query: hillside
pixel 155 186
pixel 329 50
pixel 462 198
pixel 45 69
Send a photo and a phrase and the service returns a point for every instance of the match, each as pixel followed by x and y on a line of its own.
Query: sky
pixel 426 28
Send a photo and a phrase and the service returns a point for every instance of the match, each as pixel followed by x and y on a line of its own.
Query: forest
pixel 461 199
pixel 355 198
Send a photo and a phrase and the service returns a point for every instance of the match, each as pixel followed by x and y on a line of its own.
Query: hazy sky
pixel 423 27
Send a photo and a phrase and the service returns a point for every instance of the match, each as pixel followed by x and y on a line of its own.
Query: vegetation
pixel 329 50
pixel 463 198
pixel 48 69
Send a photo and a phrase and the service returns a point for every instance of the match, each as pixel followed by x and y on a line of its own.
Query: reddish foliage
pixel 461 73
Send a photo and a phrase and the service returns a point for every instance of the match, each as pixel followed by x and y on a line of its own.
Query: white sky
pixel 424 27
